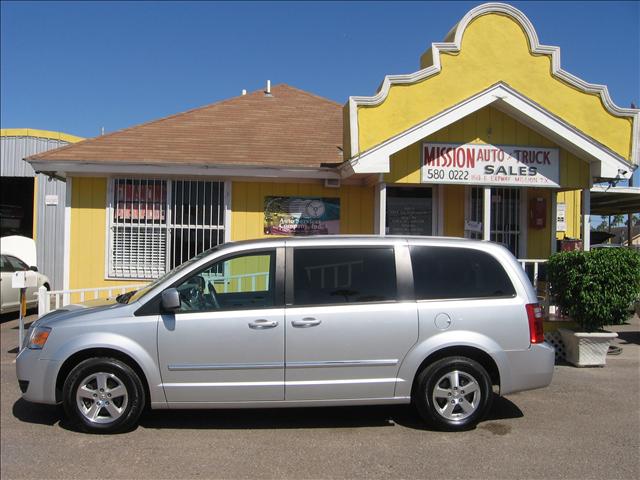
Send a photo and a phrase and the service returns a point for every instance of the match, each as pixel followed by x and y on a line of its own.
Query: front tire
pixel 103 395
pixel 453 393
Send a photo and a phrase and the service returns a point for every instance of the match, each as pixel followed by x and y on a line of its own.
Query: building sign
pixel 301 216
pixel 561 217
pixel 475 164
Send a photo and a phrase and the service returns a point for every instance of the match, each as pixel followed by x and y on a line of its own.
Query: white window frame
pixel 225 210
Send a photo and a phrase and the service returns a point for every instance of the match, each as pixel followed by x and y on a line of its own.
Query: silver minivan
pixel 442 323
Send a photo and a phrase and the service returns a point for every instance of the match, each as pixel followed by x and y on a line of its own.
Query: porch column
pixel 554 221
pixel 486 214
pixel 586 219
pixel 67 242
pixel 380 209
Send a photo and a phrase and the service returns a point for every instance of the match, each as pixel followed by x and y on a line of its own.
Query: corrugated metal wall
pixel 14 149
pixel 49 218
pixel 50 229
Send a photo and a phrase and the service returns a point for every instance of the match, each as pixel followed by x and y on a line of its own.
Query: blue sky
pixel 79 66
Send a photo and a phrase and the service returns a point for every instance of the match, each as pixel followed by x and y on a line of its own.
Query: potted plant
pixel 595 289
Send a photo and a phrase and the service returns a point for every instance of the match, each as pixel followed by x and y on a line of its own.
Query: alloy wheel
pixel 101 398
pixel 456 395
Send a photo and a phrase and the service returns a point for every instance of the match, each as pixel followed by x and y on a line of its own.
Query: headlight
pixel 38 338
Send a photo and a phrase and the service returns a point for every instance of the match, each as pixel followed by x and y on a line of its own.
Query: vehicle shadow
pixel 271 418
pixel 39 414
pixel 27 324
pixel 321 417
pixel 7 317
pixel 629 337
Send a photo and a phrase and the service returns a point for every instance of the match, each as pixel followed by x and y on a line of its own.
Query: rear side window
pixel 444 273
pixel 343 275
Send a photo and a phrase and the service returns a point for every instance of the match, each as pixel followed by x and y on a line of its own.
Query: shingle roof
pixel 289 128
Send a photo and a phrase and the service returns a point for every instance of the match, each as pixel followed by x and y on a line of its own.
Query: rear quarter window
pixel 450 272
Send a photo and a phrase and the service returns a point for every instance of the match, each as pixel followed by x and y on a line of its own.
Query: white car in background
pixel 18 254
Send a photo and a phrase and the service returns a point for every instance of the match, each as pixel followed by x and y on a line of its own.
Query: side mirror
pixel 170 300
pixel 33 268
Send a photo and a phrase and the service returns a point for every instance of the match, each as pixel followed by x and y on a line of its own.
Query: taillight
pixel 536 326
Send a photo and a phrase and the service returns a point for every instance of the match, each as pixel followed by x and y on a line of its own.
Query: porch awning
pixel 615 200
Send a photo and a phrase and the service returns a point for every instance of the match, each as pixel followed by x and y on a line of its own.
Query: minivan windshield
pixel 136 295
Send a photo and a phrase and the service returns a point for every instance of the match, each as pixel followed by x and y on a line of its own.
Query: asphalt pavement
pixel 585 425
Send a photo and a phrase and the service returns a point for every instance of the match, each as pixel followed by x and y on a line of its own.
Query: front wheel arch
pixel 71 362
pixel 103 395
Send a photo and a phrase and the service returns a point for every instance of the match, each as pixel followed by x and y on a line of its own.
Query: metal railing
pixel 54 299
pixel 227 282
pixel 534 271
pixel 535 268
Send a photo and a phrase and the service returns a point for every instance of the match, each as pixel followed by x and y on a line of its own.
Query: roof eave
pixel 64 168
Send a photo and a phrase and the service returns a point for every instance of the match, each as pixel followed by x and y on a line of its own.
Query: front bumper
pixel 39 376
pixel 529 369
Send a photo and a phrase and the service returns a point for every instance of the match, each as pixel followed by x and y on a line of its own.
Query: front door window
pixel 238 283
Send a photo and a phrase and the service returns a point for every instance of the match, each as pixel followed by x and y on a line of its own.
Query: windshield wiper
pixel 124 298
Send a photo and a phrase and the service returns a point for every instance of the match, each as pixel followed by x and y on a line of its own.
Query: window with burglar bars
pixel 475 211
pixel 505 216
pixel 155 225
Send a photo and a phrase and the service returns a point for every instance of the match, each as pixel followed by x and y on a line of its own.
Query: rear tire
pixel 453 393
pixel 103 395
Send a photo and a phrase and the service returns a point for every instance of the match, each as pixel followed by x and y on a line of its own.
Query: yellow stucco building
pixel 490 139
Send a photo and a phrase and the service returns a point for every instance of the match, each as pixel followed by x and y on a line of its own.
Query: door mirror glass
pixel 33 268
pixel 170 300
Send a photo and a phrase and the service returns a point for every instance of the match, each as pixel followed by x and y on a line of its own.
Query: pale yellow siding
pixel 572 199
pixel 539 239
pixel 247 205
pixel 88 235
pixel 494 49
pixel 88 220
pixel 489 125
pixel 453 210
pixel 485 126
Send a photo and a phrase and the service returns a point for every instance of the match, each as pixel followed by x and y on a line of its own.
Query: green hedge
pixel 595 288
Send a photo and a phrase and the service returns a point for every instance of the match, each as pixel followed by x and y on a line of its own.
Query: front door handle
pixel 262 324
pixel 306 322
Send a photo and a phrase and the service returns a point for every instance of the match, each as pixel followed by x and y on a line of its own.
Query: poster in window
pixel 140 201
pixel 409 216
pixel 298 216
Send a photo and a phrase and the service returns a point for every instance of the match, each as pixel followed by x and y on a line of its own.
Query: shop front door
pixel 506 222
